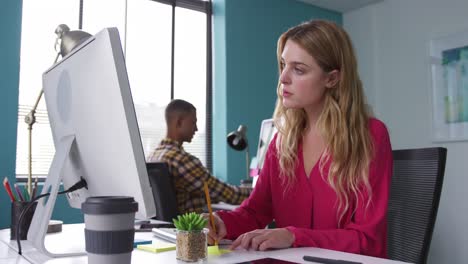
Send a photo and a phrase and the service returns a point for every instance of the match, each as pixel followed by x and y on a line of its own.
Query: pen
pixel 208 202
pixel 329 261
pixel 18 191
pixel 34 189
pixel 8 189
pixel 25 194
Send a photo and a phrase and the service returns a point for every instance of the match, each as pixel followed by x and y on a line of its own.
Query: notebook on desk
pixel 169 234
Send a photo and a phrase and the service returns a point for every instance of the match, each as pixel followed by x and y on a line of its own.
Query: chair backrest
pixel 414 199
pixel 163 191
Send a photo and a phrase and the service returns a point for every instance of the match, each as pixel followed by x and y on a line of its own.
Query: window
pixel 149 66
pixel 37 54
pixel 167 57
pixel 190 69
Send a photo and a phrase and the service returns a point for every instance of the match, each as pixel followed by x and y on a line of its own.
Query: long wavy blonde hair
pixel 343 122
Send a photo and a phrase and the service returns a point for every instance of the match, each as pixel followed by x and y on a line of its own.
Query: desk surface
pixel 72 237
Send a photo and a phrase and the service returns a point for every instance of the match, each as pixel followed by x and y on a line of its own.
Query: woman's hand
pixel 220 228
pixel 263 239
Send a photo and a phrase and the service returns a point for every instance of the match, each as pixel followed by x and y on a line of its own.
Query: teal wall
pixel 10 25
pixel 245 34
pixel 10 30
pixel 219 90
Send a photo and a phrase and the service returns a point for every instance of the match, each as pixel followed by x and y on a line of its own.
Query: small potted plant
pixel 191 244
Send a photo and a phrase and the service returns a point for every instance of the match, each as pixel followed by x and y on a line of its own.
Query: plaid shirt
pixel 189 175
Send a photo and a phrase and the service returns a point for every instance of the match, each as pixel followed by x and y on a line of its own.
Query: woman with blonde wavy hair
pixel 326 176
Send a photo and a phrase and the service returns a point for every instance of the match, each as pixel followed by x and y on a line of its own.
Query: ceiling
pixel 341 6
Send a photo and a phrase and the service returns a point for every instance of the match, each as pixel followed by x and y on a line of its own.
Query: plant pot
pixel 191 246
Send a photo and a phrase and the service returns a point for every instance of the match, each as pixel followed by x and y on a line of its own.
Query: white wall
pixel 391 39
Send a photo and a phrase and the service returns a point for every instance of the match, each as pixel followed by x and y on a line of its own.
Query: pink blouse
pixel 309 208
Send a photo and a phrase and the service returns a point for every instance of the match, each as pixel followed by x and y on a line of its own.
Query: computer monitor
pixel 95 131
pixel 267 131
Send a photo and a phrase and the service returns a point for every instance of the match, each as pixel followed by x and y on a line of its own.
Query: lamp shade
pixel 70 39
pixel 238 139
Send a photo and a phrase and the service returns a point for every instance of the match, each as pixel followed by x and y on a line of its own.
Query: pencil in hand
pixel 7 186
pixel 210 210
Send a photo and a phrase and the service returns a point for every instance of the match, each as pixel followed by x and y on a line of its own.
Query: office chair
pixel 163 191
pixel 414 199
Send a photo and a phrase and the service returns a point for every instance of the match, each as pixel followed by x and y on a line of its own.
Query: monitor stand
pixel 45 206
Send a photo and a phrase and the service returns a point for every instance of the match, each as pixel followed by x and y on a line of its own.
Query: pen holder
pixel 17 208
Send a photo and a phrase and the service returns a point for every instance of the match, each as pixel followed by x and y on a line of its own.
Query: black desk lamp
pixel 66 41
pixel 238 141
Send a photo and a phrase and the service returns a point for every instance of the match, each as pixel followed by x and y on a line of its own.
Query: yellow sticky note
pixel 216 251
pixel 157 247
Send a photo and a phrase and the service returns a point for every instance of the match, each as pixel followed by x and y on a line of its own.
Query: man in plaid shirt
pixel 187 171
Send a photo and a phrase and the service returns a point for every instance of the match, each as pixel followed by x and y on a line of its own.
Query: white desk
pixel 72 236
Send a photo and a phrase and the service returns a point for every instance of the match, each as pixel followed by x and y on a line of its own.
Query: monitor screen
pixel 267 131
pixel 88 97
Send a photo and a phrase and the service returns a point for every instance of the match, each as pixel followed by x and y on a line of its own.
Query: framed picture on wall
pixel 449 76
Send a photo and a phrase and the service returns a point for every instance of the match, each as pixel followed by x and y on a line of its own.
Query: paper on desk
pixel 216 251
pixel 157 246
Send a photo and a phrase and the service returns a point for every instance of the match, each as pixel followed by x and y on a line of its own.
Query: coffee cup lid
pixel 109 205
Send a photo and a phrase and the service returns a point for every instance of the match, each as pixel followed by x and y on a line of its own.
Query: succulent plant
pixel 190 222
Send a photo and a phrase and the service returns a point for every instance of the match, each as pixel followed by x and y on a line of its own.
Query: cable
pixel 82 183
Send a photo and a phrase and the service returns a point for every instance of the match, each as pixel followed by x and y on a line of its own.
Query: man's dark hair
pixel 177 107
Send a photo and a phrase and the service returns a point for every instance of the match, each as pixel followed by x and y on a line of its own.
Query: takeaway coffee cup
pixel 109 228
